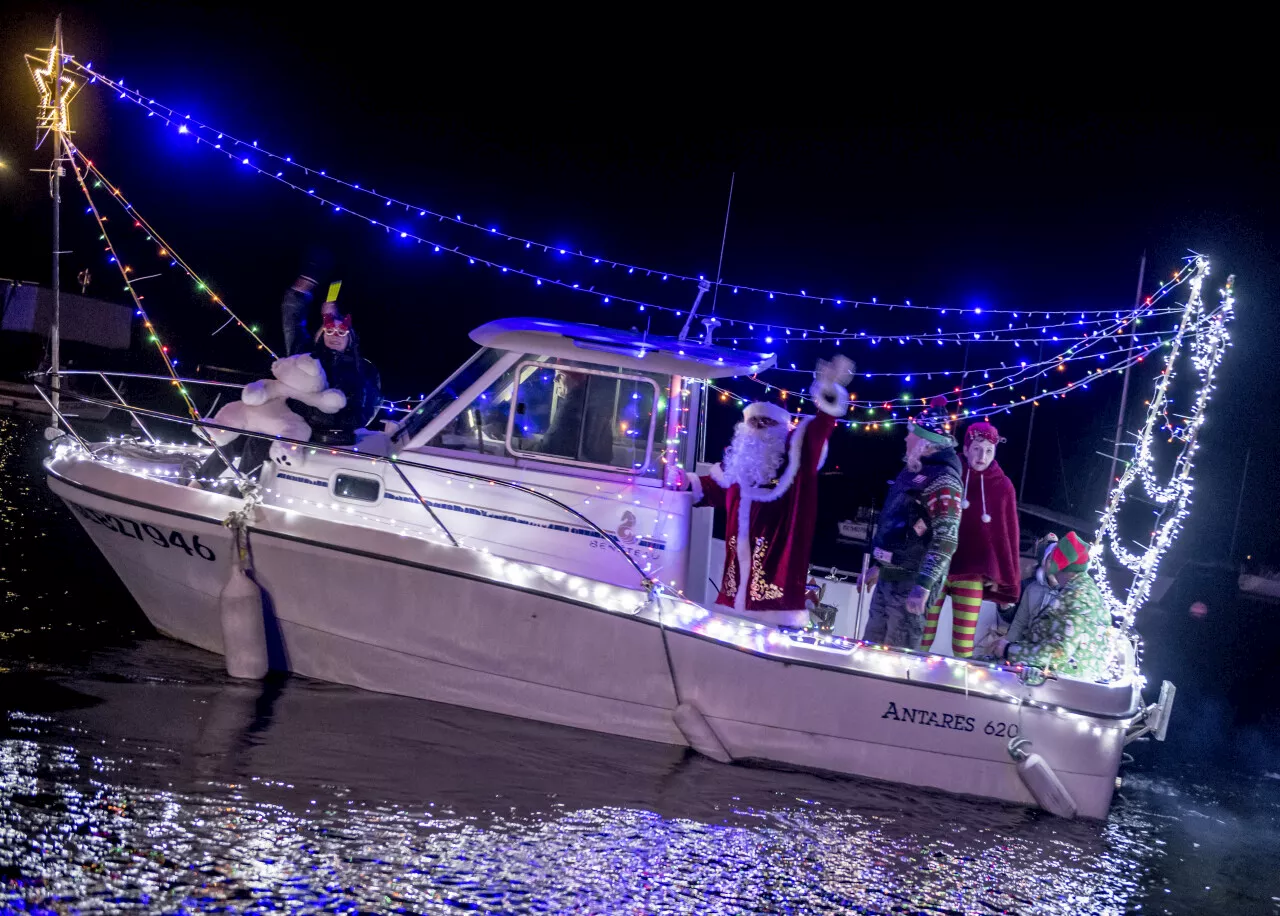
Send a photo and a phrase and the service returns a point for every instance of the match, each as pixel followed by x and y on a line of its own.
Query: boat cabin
pixel 586 399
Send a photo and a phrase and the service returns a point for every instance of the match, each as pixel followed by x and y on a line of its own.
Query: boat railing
pixel 395 462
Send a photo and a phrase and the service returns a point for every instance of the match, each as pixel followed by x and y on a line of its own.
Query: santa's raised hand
pixel 829 381
pixel 837 371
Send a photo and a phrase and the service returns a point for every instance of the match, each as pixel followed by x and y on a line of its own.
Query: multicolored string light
pixel 1021 373
pixel 152 335
pixel 166 250
pixel 968 413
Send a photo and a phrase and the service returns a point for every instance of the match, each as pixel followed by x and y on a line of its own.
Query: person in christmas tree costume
pixel 916 534
pixel 985 564
pixel 1062 623
pixel 767 484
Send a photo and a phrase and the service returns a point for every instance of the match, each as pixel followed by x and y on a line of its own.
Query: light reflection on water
pixel 135 776
pixel 193 794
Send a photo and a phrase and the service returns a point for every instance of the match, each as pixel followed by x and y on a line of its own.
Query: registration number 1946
pixel 144 533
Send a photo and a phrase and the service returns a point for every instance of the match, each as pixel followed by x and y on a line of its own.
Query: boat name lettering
pixel 915 716
pixel 140 531
pixel 928 717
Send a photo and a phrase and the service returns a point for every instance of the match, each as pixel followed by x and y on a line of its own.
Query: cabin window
pixel 357 487
pixel 481 426
pixel 584 416
pixel 480 363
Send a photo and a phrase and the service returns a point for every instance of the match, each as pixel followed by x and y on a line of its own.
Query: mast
pixel 1026 455
pixel 1235 527
pixel 1031 425
pixel 56 179
pixel 1124 389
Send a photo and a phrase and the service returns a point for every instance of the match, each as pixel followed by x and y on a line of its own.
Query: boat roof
pixel 633 349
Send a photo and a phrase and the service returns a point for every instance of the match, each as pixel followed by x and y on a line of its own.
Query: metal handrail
pixel 645 579
pixel 141 375
pixel 102 374
pixel 119 397
pixel 132 411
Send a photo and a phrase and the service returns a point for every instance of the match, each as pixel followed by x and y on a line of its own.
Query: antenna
pixel 703 285
pixel 724 236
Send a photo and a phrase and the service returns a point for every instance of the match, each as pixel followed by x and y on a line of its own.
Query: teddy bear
pixel 262 407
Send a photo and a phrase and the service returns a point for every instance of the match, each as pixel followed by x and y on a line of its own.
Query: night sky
pixel 576 143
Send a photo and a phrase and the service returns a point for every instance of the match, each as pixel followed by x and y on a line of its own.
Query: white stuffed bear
pixel 262 408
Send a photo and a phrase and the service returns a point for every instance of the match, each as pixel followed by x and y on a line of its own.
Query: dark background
pixel 570 137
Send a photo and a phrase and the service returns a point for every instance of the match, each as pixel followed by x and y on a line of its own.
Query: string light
pixel 217 137
pixel 1071 353
pixel 875 422
pixel 152 336
pixel 439 247
pixel 1023 373
pixel 941 338
pixel 1209 339
pixel 167 251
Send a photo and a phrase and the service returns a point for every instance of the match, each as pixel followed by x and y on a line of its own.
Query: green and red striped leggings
pixel 966 600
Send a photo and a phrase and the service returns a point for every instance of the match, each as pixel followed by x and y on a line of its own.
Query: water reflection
pixel 168 786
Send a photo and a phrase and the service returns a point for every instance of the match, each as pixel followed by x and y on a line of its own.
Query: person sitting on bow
pixel 337 348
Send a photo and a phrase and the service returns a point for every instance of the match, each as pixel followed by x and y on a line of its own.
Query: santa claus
pixel 767 484
pixel 985 564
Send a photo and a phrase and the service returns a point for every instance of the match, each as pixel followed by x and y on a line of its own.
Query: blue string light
pixel 168 114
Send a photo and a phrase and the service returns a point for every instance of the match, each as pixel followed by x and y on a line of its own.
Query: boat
pixel 501 550
pixel 452 560
pixel 92 326
pixel 1260 585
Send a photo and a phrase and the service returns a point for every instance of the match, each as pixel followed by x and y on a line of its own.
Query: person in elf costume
pixel 767 484
pixel 916 534
pixel 985 564
pixel 1062 623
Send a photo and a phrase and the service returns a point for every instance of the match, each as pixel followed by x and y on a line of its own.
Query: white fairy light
pixel 1209 339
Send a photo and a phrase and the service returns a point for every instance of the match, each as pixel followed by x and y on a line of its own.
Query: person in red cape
pixel 985 564
pixel 767 484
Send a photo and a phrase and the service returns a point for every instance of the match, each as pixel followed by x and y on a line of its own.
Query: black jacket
pixel 345 370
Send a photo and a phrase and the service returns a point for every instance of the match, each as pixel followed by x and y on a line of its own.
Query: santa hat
pixel 1067 555
pixel 767 409
pixel 933 423
pixel 982 430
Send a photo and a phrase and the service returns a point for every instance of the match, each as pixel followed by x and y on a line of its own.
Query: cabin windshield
pixel 566 412
pixel 466 376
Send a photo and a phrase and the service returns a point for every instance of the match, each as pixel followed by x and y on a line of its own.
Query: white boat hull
pixel 401 615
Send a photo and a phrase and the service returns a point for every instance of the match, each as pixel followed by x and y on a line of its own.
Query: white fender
pixel 1042 782
pixel 244 632
pixel 697 731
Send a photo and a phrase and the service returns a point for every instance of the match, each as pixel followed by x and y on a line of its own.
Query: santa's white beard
pixel 754 457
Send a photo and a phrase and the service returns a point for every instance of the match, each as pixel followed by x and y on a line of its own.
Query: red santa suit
pixel 769 529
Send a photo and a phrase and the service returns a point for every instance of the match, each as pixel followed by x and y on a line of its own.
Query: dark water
pixel 135 776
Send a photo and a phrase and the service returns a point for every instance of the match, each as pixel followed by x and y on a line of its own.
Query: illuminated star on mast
pixel 53 115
